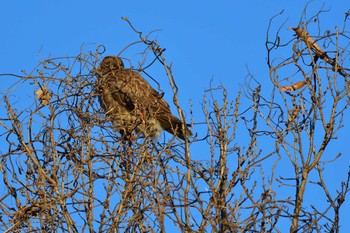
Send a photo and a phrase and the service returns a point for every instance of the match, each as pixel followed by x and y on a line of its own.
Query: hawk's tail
pixel 175 127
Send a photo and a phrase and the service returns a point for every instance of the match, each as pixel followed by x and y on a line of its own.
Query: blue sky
pixel 205 40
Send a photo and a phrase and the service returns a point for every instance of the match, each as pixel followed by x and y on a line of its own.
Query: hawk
pixel 132 104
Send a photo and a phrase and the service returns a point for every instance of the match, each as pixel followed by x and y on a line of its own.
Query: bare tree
pixel 65 168
pixel 306 115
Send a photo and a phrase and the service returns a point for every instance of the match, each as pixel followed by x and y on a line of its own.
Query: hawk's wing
pixel 153 105
pixel 125 92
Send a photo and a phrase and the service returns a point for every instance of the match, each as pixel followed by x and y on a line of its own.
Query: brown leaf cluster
pixel 43 95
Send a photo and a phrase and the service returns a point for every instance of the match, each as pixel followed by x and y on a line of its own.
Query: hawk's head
pixel 111 63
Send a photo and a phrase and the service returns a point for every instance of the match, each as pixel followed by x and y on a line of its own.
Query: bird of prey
pixel 132 104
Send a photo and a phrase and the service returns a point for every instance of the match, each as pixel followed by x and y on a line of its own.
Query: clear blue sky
pixel 205 40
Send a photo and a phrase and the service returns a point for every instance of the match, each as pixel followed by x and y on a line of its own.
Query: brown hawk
pixel 132 104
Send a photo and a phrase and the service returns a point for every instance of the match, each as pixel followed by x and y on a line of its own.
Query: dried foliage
pixel 64 167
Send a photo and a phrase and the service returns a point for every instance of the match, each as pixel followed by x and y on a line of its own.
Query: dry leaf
pixel 286 88
pixel 43 95
pixel 293 87
pixel 310 43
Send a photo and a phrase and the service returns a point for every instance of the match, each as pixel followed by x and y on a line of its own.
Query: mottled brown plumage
pixel 132 104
